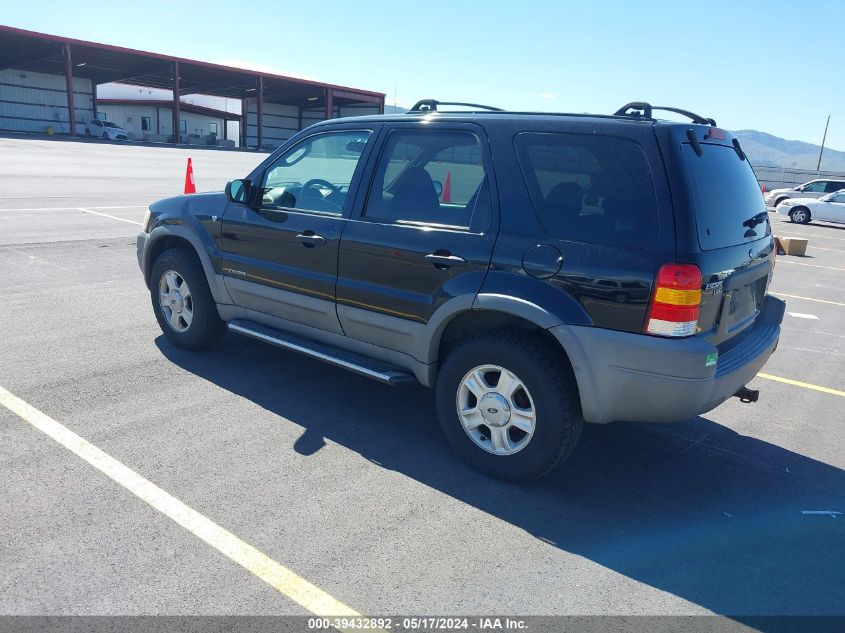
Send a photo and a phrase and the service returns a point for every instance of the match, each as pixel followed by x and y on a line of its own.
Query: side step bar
pixel 340 358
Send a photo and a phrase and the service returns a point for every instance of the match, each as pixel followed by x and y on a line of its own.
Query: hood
pixel 772 192
pixel 194 203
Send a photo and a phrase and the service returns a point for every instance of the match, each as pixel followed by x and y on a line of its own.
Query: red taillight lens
pixel 716 133
pixel 675 301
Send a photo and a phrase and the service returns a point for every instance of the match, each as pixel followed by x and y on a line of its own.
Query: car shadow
pixel 693 508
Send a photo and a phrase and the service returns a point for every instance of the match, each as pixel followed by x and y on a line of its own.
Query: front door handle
pixel 445 261
pixel 311 239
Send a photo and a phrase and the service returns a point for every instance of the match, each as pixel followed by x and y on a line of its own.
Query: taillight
pixel 675 302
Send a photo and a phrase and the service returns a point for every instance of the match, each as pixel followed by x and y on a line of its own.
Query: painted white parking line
pixel 126 206
pixel 787 261
pixel 256 562
pixel 801 315
pixel 832 250
pixel 783 294
pixel 798 233
pixel 106 215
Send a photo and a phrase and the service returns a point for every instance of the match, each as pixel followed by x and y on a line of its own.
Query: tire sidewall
pixel 204 309
pixel 802 210
pixel 552 409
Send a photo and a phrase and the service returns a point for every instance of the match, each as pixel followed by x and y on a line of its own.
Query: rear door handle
pixel 445 261
pixel 311 239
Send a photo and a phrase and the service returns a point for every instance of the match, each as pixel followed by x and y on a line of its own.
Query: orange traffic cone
pixel 446 196
pixel 190 187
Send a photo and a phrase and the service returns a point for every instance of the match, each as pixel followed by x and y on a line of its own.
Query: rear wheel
pixel 508 405
pixel 800 215
pixel 779 200
pixel 106 136
pixel 182 301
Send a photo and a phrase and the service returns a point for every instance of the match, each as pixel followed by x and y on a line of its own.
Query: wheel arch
pixel 165 237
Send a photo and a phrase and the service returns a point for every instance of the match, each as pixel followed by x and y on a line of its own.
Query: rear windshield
pixel 590 188
pixel 725 196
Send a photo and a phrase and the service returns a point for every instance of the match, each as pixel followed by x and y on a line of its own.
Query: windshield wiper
pixel 756 219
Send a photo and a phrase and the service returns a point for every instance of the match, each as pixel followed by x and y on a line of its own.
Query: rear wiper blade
pixel 756 219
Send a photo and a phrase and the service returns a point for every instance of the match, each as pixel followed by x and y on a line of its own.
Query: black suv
pixel 538 271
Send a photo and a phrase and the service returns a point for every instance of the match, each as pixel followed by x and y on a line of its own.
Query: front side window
pixel 815 187
pixel 593 189
pixel 430 177
pixel 315 174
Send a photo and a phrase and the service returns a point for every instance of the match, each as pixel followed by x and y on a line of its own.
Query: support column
pixel 300 118
pixel 260 122
pixel 381 106
pixel 329 103
pixel 71 111
pixel 94 97
pixel 175 108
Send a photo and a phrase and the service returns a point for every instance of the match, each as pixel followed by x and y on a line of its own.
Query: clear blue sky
pixel 773 66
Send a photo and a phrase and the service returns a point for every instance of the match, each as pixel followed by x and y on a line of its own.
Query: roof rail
pixel 430 105
pixel 644 110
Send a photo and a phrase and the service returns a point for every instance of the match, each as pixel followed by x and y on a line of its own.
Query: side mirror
pixel 238 191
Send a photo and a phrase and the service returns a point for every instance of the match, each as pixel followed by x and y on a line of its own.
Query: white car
pixel 108 130
pixel 813 189
pixel 830 208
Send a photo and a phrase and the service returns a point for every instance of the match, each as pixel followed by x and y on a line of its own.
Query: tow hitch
pixel 747 395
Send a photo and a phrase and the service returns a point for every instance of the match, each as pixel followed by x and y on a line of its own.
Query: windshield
pixel 729 207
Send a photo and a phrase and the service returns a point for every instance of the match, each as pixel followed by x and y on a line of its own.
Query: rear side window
pixel 834 186
pixel 726 197
pixel 594 189
pixel 430 177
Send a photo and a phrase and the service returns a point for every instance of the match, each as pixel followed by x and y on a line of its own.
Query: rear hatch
pixel 723 227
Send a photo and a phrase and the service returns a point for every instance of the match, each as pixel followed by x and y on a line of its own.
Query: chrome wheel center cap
pixel 176 302
pixel 495 409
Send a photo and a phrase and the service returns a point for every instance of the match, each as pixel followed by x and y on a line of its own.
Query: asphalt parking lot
pixel 348 483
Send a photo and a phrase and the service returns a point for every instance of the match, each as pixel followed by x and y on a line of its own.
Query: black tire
pixel 87 132
pixel 802 219
pixel 206 327
pixel 551 385
pixel 105 136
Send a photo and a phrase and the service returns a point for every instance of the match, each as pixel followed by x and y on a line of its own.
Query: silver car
pixel 813 189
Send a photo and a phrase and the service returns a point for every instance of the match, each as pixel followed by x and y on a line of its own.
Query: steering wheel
pixel 315 182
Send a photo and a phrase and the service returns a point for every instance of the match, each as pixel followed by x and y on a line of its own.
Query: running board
pixel 340 358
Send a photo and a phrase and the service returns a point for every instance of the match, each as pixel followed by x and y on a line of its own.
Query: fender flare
pixel 204 254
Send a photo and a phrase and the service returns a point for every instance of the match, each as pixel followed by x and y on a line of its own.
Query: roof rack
pixel 644 110
pixel 430 105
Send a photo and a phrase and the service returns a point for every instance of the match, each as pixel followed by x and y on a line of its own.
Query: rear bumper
pixel 633 377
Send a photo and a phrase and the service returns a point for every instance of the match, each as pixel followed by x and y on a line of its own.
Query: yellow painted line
pixel 806 385
pixel 787 261
pixel 833 303
pixel 106 215
pixel 274 574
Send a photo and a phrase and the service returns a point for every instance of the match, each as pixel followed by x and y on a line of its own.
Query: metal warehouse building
pixel 45 77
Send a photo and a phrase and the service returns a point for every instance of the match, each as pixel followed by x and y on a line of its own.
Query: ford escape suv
pixel 538 271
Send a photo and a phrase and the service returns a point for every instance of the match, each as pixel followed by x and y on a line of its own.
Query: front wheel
pixel 508 406
pixel 182 301
pixel 800 215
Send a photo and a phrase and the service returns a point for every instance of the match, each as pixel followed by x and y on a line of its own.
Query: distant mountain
pixel 388 109
pixel 766 149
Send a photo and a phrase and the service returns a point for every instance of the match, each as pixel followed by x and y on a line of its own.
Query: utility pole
pixel 819 164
